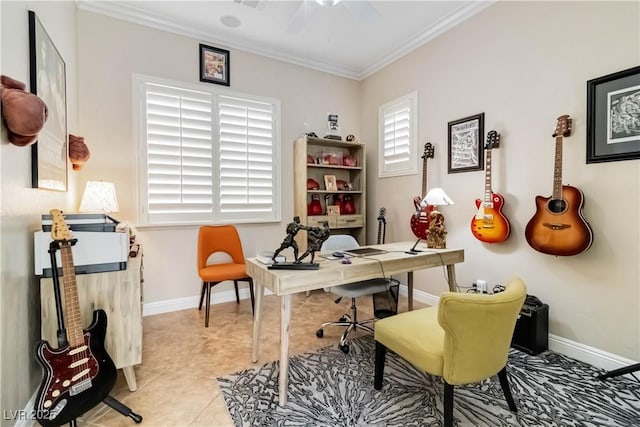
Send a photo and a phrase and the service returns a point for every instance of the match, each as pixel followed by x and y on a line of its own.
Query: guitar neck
pixel 424 178
pixel 488 193
pixel 71 302
pixel 557 170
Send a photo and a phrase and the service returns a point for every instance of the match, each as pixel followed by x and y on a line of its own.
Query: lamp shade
pixel 437 197
pixel 99 196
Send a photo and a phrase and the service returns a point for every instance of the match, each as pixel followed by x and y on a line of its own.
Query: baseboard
pixel 584 353
pixel 151 308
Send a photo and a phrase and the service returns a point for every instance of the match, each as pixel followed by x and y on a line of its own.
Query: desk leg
pixel 451 274
pixel 130 376
pixel 410 289
pixel 257 321
pixel 285 318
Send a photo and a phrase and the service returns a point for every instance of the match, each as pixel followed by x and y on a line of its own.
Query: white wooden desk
pixel 284 283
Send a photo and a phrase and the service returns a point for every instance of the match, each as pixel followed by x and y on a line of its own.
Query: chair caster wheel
pixel 342 319
pixel 319 333
pixel 344 348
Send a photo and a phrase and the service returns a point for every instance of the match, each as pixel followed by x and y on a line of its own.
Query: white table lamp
pixel 99 196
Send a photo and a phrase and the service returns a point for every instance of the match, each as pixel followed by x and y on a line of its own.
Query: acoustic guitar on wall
pixel 80 374
pixel 558 226
pixel 489 225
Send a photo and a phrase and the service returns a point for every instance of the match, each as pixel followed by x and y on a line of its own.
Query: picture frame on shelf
pixel 48 81
pixel 330 183
pixel 214 65
pixel 613 117
pixel 333 210
pixel 465 144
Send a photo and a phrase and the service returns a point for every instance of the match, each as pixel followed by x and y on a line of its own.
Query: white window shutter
pixel 205 157
pixel 179 154
pixel 247 158
pixel 398 137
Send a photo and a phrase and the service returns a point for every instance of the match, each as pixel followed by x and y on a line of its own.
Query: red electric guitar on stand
pixel 558 226
pixel 420 218
pixel 489 225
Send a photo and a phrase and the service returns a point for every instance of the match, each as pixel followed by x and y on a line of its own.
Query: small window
pixel 206 157
pixel 397 136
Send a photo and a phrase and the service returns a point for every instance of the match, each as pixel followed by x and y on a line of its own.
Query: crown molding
pixel 132 14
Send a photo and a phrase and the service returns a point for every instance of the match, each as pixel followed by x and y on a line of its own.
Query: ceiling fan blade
pixel 362 10
pixel 302 16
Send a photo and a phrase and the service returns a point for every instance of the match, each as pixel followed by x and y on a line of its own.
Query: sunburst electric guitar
pixel 420 218
pixel 80 374
pixel 558 226
pixel 489 225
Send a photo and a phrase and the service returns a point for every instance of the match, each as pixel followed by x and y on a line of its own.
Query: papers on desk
pixel 267 258
pixel 329 256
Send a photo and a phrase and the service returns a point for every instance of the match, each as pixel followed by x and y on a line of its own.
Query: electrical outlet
pixel 482 286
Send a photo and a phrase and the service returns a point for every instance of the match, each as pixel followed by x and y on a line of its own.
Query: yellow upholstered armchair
pixel 464 340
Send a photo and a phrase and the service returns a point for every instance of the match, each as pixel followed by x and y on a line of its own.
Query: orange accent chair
pixel 220 238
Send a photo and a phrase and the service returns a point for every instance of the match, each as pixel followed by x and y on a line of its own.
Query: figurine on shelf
pixel 317 236
pixel 289 241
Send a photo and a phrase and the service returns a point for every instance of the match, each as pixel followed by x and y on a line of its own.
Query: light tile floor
pixel 181 358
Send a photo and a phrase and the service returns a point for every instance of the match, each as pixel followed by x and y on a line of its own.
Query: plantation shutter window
pixel 246 158
pixel 205 157
pixel 179 154
pixel 397 137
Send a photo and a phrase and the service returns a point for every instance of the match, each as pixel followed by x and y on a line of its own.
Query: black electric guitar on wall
pixel 79 375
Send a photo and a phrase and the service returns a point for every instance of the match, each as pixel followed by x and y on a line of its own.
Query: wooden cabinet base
pixel 119 294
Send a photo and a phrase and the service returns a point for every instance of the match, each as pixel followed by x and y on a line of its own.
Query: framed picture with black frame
pixel 48 81
pixel 465 144
pixel 214 65
pixel 613 117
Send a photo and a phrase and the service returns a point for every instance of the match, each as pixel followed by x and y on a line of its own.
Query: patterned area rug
pixel 329 388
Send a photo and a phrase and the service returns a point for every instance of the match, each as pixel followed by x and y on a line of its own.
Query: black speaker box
pixel 531 333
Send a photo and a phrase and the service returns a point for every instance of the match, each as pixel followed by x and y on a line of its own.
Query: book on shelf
pixel 267 258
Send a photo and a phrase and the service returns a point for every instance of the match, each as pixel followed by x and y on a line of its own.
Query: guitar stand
pixel 62 337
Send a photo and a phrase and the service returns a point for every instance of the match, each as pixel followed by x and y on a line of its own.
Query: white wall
pixel 524 64
pixel 22 206
pixel 110 51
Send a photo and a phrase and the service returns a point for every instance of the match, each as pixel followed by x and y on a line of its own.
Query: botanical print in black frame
pixel 613 117
pixel 465 144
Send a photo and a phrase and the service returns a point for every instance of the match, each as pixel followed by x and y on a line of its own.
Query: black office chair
pixel 351 290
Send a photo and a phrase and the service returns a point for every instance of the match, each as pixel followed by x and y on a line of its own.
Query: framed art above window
pixel 613 117
pixel 214 65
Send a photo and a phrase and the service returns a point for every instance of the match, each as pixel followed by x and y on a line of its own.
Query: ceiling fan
pixel 362 10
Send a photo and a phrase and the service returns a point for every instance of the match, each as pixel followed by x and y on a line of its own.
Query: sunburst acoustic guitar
pixel 489 225
pixel 558 226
